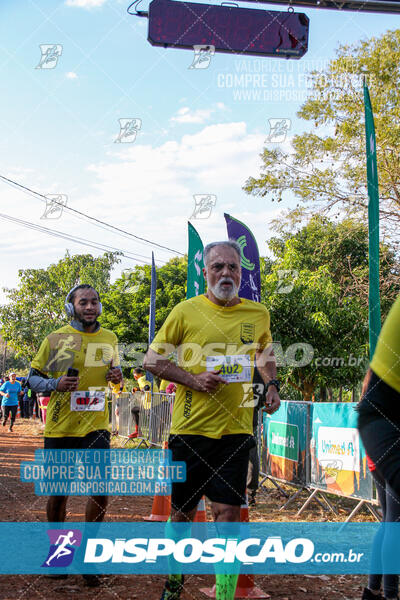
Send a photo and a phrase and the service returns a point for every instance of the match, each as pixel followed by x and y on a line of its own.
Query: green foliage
pixel 327 167
pixel 127 303
pixel 36 307
pixel 317 293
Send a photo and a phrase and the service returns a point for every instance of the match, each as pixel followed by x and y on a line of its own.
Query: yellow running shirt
pixel 386 360
pixel 91 354
pixel 202 330
pixel 164 383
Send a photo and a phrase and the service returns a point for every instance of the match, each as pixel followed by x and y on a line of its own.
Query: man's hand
pixel 272 400
pixel 67 384
pixel 206 382
pixel 114 375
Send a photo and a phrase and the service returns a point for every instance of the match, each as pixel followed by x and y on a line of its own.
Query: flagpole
pixel 152 310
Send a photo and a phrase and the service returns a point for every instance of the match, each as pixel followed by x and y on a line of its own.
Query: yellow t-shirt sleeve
pixel 266 337
pixel 115 359
pixel 386 360
pixel 170 334
pixel 42 357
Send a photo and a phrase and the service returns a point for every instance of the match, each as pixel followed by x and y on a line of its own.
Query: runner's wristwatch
pixel 274 382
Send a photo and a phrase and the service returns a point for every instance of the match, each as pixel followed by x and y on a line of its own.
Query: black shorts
pixel 216 468
pixel 95 440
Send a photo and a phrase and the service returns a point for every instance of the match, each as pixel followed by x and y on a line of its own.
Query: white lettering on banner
pixel 190 550
pixel 341 444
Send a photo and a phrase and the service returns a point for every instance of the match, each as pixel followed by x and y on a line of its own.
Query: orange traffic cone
pixel 18 415
pixel 245 587
pixel 201 516
pixel 161 508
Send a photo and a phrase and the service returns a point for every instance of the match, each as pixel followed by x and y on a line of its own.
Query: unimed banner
pixel 338 460
pixel 285 443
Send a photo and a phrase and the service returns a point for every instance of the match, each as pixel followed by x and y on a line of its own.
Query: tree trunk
pixel 308 391
pixel 330 395
pixel 340 394
pixel 322 393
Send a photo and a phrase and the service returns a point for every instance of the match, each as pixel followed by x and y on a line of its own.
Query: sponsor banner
pixel 195 277
pixel 373 224
pixel 338 459
pixel 114 472
pixel 250 286
pixel 285 442
pixel 196 548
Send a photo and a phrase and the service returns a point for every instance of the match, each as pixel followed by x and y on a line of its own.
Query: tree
pixel 36 307
pixel 127 304
pixel 326 168
pixel 315 291
pixel 9 360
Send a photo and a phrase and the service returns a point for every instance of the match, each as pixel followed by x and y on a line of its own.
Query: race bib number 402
pixel 232 369
pixel 88 400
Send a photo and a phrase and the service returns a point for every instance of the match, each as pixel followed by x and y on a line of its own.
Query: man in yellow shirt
pixel 217 336
pixel 77 414
pixel 379 409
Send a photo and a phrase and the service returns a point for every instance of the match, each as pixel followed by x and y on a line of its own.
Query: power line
pixel 75 239
pixel 19 185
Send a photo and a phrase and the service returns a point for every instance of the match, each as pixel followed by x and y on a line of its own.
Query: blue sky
pixel 201 133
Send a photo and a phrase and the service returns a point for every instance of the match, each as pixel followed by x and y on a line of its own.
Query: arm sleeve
pixel 40 383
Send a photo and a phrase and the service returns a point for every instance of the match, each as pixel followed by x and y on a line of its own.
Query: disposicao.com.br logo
pixel 196 548
pixel 63 543
pixel 192 550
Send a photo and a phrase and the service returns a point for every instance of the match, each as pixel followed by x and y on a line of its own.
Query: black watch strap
pixel 274 382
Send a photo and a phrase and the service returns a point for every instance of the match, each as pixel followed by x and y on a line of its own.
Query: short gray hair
pixel 230 243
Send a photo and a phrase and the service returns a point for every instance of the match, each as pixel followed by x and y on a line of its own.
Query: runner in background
pixel 212 420
pixel 379 408
pixel 116 390
pixel 143 386
pixel 10 391
pixel 164 383
pixel 85 346
pixel 379 426
pixel 390 505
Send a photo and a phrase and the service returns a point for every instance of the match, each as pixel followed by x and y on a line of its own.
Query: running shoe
pixel 91 580
pixel 172 590
pixel 368 595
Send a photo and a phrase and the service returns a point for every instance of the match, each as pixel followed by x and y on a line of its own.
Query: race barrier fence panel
pixel 311 446
pixel 316 447
pixel 154 413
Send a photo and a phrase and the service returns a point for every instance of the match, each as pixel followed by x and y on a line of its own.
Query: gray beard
pixel 224 295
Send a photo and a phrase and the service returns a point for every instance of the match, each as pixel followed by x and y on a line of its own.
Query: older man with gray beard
pixel 217 336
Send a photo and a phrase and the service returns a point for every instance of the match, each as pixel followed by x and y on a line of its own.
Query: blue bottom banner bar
pixel 200 548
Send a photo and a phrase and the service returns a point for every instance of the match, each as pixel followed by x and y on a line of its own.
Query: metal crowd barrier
pixel 154 412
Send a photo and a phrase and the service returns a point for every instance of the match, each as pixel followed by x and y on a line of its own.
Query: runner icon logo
pixel 63 543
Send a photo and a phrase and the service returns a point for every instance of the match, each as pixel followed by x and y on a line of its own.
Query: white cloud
pixel 147 190
pixel 85 3
pixel 71 75
pixel 198 116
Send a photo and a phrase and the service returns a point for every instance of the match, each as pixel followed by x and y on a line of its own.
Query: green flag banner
pixel 195 278
pixel 373 224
